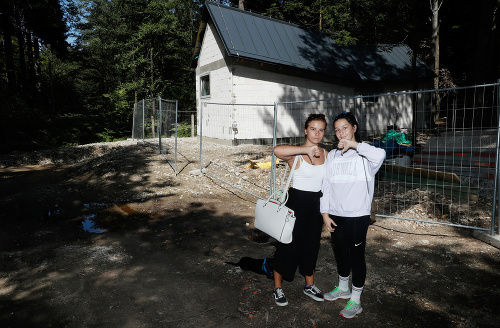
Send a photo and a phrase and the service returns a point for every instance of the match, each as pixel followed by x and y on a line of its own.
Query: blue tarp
pixel 391 146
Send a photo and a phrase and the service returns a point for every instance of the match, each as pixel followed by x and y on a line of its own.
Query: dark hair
pixel 349 117
pixel 315 117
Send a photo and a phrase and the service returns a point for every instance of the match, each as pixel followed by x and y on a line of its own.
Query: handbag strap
pixel 285 189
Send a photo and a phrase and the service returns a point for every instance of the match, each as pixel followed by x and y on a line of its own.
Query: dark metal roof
pixel 256 37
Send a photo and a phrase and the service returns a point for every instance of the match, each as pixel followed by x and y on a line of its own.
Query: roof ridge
pixel 260 15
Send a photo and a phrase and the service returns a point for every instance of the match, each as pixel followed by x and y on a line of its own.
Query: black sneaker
pixel 279 297
pixel 313 292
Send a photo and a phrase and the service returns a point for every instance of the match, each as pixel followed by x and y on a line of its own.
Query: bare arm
pixel 288 153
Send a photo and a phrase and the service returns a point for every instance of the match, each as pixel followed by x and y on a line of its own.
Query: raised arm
pixel 288 153
pixel 374 155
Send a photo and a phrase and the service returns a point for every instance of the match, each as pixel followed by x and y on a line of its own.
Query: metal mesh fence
pixel 441 148
pixel 234 140
pixel 145 124
pixel 446 175
pixel 160 122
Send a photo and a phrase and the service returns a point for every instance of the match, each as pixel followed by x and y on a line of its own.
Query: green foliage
pixel 183 130
pixel 126 50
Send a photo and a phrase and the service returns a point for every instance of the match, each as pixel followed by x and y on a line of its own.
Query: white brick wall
pixel 252 86
pixel 245 85
pixel 209 51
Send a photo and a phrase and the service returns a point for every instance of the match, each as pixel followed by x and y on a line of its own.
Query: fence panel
pixel 442 147
pixel 167 137
pixel 159 122
pixel 145 123
pixel 447 176
pixel 243 135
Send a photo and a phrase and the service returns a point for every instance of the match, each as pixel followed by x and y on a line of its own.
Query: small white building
pixel 245 58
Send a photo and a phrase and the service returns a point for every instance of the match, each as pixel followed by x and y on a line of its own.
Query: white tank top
pixel 309 177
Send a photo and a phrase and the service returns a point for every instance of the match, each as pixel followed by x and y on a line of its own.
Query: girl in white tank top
pixel 309 177
pixel 304 197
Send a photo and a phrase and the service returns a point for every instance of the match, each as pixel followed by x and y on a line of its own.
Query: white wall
pixel 235 85
pixel 251 86
pixel 211 61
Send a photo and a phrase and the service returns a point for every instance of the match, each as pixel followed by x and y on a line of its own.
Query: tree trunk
pixel 30 60
pixel 38 69
pixel 320 18
pixel 414 96
pixel 51 84
pixel 483 42
pixel 7 29
pixel 435 5
pixel 241 4
pixel 152 75
pixel 20 43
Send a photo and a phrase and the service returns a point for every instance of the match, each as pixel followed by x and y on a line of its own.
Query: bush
pixel 183 130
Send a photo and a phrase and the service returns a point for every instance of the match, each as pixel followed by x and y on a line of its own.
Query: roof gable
pixel 260 38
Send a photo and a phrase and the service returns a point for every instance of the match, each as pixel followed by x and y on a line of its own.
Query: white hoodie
pixel 348 186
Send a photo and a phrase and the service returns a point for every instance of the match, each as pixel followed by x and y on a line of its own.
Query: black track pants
pixel 303 251
pixel 349 242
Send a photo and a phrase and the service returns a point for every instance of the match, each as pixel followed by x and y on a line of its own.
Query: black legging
pixel 303 251
pixel 349 241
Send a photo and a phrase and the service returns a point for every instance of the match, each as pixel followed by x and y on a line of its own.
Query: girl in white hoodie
pixel 346 206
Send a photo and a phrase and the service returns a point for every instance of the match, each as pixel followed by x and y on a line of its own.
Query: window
pixel 205 85
pixel 371 99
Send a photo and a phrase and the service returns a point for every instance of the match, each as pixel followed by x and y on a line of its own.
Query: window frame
pixel 203 82
pixel 371 100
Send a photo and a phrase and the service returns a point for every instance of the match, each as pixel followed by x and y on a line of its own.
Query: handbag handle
pixel 284 189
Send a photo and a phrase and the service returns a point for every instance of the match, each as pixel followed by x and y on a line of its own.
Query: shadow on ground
pixel 192 260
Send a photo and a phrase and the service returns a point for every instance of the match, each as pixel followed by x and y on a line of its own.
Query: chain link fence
pixel 442 148
pixel 160 122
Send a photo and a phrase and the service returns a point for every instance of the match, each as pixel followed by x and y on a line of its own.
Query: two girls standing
pixel 339 186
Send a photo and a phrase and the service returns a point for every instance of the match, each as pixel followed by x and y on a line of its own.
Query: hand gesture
pixel 346 144
pixel 314 152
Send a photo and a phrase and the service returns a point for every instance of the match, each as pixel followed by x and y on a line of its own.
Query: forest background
pixel 71 70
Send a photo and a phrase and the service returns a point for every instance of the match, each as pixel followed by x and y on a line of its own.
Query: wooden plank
pixel 423 173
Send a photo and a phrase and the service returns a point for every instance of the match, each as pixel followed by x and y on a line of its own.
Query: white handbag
pixel 272 216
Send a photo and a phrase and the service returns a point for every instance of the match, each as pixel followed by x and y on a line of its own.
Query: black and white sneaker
pixel 313 292
pixel 279 297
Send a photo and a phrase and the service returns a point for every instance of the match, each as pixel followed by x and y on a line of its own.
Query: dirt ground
pixel 181 251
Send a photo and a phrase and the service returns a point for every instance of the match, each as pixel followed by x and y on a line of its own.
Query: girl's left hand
pixel 329 223
pixel 346 144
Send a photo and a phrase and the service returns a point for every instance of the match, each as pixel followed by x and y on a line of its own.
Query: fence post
pixel 143 125
pixel 497 160
pixel 498 139
pixel 272 186
pixel 159 123
pixel 200 125
pixel 176 127
pixel 192 125
pixel 133 121
pixel 495 188
pixel 497 165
